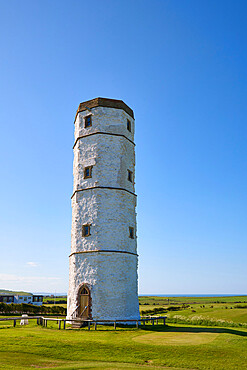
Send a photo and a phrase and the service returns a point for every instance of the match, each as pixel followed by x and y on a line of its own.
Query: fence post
pixel 64 324
pixel 153 322
pixel 115 325
pixel 88 325
pixel 157 321
pixel 164 320
pixel 144 322
pixel 14 323
pixel 59 324
pixel 137 324
pixel 95 325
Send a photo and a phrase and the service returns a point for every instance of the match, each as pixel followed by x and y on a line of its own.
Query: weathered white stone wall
pixel 111 276
pixel 105 119
pixel 110 214
pixel 111 158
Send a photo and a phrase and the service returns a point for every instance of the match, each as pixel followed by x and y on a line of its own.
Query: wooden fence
pixel 62 322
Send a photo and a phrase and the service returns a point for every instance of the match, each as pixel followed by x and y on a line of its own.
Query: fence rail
pixel 41 320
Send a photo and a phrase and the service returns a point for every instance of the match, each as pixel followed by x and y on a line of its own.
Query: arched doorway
pixel 84 302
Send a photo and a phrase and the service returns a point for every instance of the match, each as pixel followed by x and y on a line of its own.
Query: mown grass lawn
pixel 173 346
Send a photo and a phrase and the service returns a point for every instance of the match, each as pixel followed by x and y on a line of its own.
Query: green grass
pixel 58 304
pixel 217 345
pixel 173 346
pixel 218 312
pixel 151 300
pixel 201 310
pixel 11 292
pixel 56 299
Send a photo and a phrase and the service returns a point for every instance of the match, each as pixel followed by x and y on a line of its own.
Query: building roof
pixel 104 102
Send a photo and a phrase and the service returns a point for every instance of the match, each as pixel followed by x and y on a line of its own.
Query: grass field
pixel 151 300
pixel 175 346
pixel 223 311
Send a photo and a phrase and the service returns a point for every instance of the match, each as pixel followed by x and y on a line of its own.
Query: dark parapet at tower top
pixel 104 102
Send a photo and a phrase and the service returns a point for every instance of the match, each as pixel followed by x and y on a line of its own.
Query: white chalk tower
pixel 103 259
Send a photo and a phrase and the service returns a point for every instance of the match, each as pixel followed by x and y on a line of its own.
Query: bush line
pixel 15 308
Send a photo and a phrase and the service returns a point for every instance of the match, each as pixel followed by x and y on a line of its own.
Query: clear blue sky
pixel 181 66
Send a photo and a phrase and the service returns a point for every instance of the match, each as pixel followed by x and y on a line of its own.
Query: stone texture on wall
pixel 110 214
pixel 105 120
pixel 110 156
pixel 111 276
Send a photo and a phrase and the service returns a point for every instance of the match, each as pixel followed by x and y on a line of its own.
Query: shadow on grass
pixel 191 329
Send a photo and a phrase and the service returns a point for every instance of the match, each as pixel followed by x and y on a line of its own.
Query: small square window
pixel 86 230
pixel 128 125
pixel 130 176
pixel 131 232
pixel 88 172
pixel 88 121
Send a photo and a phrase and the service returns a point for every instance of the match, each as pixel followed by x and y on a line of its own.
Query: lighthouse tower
pixel 103 259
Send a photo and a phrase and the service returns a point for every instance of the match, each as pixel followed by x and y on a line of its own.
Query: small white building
pixel 36 300
pixel 103 259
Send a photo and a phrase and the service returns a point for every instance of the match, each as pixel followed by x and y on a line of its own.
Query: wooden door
pixel 84 302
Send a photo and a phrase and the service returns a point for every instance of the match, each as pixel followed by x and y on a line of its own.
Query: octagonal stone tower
pixel 103 259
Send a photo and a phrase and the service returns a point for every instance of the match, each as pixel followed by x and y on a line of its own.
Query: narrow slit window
pixel 88 172
pixel 86 230
pixel 128 125
pixel 131 232
pixel 130 176
pixel 88 121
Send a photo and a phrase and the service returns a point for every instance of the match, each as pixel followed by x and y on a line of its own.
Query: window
pixel 130 176
pixel 25 298
pixel 86 230
pixel 84 291
pixel 128 125
pixel 35 299
pixel 131 232
pixel 88 121
pixel 88 172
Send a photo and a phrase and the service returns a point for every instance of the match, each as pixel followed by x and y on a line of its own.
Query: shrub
pixel 205 321
pixel 240 306
pixel 24 308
